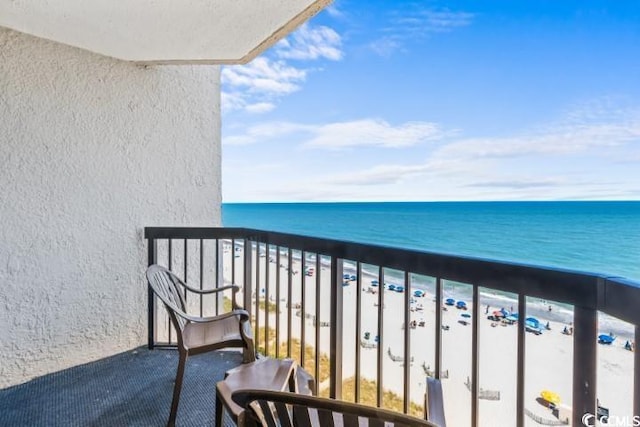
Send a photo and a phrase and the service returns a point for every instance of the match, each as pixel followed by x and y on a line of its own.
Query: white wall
pixel 91 151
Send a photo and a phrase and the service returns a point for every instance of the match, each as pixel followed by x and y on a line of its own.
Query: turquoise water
pixel 600 237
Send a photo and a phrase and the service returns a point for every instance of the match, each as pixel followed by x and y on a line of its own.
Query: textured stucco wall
pixel 91 151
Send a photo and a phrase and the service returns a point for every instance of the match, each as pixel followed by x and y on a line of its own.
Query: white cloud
pixel 263 132
pixel 415 23
pixel 232 101
pixel 591 152
pixel 334 11
pixel 385 46
pixel 373 132
pixel 561 139
pixel 256 87
pixel 263 75
pixel 260 107
pixel 378 175
pixel 340 135
pixel 309 43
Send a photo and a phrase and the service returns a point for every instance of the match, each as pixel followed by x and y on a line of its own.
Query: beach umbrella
pixel 550 396
pixel 466 315
pixel 504 312
pixel 512 318
pixel 498 313
pixel 374 283
pixel 533 321
pixel 605 339
pixel 450 301
pixel 461 304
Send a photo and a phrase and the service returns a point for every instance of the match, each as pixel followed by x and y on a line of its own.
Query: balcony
pixel 336 308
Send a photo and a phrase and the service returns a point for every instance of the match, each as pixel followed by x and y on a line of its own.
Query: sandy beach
pixel 548 355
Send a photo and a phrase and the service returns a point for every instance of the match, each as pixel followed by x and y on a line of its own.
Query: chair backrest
pixel 169 288
pixel 285 409
pixel 434 402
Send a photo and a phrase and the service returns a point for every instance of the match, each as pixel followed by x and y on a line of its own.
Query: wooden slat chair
pixel 434 402
pixel 284 409
pixel 199 334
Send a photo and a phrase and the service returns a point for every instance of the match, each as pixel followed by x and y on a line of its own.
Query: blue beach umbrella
pixel 466 315
pixel 418 293
pixel 461 304
pixel 606 339
pixel 374 283
pixel 532 322
pixel 450 301
pixel 399 288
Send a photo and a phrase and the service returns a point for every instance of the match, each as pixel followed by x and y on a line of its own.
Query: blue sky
pixel 432 100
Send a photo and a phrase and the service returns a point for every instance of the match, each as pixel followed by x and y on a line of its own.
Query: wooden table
pixel 267 374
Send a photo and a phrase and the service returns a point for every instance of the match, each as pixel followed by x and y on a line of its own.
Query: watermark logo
pixel 589 420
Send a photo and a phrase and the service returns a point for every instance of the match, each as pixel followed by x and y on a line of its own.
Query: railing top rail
pixel 613 295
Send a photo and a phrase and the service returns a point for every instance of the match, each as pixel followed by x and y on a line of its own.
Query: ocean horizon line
pixel 307 202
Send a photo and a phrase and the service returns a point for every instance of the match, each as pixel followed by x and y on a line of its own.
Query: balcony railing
pixel 294 288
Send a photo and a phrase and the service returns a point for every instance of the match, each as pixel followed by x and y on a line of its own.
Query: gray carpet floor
pixel 129 389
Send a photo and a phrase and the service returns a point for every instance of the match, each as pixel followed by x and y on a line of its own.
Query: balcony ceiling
pixel 162 31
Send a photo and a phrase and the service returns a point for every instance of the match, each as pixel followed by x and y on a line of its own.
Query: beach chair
pixel 199 334
pixel 278 408
pixel 434 403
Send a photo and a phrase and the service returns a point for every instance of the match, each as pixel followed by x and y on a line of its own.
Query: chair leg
pixel 219 410
pixel 249 352
pixel 177 388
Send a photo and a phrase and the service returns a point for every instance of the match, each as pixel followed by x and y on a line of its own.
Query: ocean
pixel 591 236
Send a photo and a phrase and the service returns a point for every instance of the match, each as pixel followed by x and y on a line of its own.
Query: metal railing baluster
pixel 585 361
pixel 407 342
pixel 317 318
pixel 277 302
pixel 475 355
pixel 358 334
pixel 336 322
pixel 379 373
pixel 152 316
pixel 289 302
pixel 438 334
pixel 303 306
pixel 266 300
pixel 522 313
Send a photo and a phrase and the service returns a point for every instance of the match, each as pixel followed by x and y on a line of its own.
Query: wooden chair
pixel 199 334
pixel 434 403
pixel 275 408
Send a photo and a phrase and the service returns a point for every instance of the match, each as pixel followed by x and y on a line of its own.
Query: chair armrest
pixel 235 288
pixel 244 316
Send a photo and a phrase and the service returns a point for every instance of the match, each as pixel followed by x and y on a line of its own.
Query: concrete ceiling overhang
pixel 162 31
